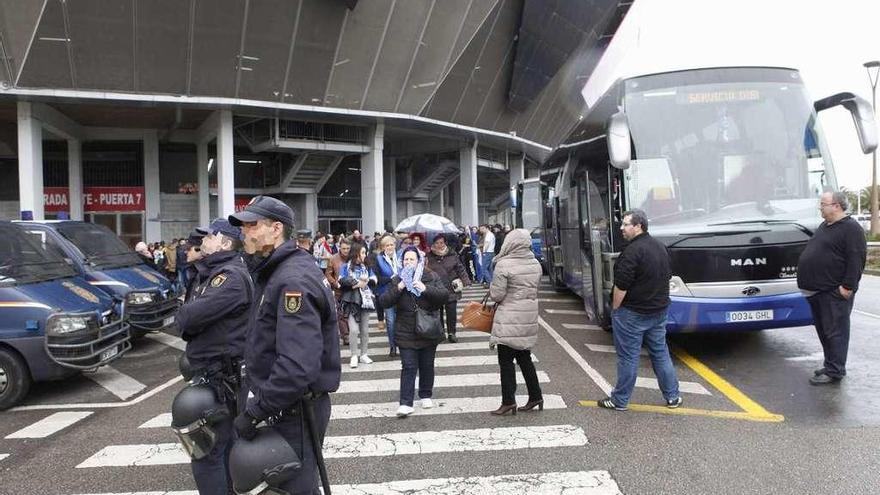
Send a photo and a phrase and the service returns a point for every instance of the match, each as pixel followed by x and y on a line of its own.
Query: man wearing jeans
pixel 639 301
pixel 487 247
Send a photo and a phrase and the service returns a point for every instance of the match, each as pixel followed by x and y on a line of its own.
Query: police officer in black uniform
pixel 292 352
pixel 214 322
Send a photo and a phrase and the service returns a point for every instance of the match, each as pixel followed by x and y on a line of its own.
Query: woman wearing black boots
pixel 515 327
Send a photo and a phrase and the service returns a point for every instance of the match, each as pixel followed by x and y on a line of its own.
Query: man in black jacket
pixel 639 301
pixel 292 352
pixel 829 271
pixel 213 322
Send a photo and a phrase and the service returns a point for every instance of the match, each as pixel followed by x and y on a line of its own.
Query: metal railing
pixel 317 131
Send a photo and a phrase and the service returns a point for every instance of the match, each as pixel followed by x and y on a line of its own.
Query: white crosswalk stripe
pixel 50 424
pixel 442 362
pixel 444 347
pixel 456 392
pixel 118 383
pixel 392 444
pixel 440 381
pixel 3 456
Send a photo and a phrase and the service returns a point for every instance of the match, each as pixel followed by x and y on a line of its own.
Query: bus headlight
pixel 64 324
pixel 677 287
pixel 140 298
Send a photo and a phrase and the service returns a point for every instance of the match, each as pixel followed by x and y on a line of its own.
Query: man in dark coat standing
pixel 292 351
pixel 829 271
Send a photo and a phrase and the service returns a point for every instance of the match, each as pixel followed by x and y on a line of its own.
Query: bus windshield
pixel 101 248
pixel 718 151
pixel 531 206
pixel 24 261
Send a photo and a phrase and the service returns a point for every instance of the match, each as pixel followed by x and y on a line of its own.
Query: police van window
pixel 101 248
pixel 49 244
pixel 23 259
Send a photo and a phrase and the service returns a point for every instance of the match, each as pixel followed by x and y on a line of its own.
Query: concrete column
pixel 390 176
pixel 467 163
pixel 311 213
pixel 225 166
pixel 204 185
pixel 74 178
pixel 442 196
pixel 30 162
pixel 516 167
pixel 372 207
pixel 151 186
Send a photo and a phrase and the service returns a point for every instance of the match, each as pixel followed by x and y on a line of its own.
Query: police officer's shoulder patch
pixel 292 301
pixel 218 280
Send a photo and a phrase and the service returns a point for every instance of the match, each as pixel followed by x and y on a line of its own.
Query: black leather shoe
pixel 532 404
pixel 393 353
pixel 451 338
pixel 823 379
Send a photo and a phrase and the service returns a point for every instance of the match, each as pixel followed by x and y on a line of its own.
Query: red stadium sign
pixel 96 199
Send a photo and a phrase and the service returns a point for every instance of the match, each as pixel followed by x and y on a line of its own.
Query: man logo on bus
pixel 748 261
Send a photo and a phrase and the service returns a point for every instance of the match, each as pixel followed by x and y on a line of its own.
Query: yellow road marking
pixel 685 411
pixel 734 394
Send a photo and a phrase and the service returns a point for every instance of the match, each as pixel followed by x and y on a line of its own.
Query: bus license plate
pixel 757 315
pixel 109 353
pixel 167 321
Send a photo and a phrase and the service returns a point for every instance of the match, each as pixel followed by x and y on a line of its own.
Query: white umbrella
pixel 427 222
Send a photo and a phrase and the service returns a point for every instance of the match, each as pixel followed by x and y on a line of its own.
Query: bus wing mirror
pixel 619 144
pixel 862 114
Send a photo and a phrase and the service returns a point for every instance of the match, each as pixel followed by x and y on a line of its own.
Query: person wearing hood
pixel 515 281
pixel 447 265
pixel 415 286
pixel 292 353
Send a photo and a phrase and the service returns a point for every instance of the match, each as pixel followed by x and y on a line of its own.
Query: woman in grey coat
pixel 515 327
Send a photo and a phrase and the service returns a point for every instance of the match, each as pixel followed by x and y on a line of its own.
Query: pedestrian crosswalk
pixel 363 427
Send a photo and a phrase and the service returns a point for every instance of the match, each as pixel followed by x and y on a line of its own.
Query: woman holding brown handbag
pixel 514 288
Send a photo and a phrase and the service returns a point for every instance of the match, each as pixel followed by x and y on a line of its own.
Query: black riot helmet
pixel 194 413
pixel 260 466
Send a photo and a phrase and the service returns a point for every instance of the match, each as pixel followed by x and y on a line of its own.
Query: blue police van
pixel 105 262
pixel 52 322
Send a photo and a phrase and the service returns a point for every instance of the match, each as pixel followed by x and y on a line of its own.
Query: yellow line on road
pixel 684 411
pixel 752 408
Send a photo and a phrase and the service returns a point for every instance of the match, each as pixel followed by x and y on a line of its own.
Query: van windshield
pixel 101 248
pixel 24 261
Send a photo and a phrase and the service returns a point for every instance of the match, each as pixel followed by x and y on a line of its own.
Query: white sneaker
pixel 427 403
pixel 404 411
pixel 366 359
pixel 354 362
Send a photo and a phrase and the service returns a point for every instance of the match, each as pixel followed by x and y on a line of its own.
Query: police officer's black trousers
pixel 831 312
pixel 294 429
pixel 210 472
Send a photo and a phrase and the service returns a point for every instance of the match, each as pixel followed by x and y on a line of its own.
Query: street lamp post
pixel 873 68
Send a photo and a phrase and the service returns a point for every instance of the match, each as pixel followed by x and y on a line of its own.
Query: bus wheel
pixel 15 379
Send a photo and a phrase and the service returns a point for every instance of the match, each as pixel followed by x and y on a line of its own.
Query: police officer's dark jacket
pixel 215 319
pixel 293 343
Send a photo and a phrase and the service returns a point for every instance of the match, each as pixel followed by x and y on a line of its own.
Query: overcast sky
pixel 826 40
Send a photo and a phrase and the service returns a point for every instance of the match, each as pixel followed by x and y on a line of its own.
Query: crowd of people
pixel 284 304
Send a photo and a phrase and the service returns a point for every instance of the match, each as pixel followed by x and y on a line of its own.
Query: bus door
pixel 594 224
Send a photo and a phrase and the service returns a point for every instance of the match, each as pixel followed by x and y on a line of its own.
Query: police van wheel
pixel 15 379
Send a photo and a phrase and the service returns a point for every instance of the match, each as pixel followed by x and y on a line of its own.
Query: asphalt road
pixel 751 423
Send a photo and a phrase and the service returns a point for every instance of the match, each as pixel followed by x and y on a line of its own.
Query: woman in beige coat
pixel 515 327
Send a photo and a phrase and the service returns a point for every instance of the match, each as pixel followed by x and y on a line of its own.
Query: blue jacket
pixel 215 318
pixel 384 273
pixel 293 342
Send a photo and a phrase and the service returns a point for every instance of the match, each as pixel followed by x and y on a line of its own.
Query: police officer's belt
pixel 294 411
pixel 230 367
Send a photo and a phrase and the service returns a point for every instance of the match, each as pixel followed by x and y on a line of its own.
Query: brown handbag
pixel 478 315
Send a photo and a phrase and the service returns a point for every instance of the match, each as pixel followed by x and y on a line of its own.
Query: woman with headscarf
pixel 514 288
pixel 355 280
pixel 415 286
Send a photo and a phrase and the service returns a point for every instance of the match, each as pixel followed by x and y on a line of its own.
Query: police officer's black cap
pixel 195 238
pixel 304 234
pixel 263 207
pixel 221 226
